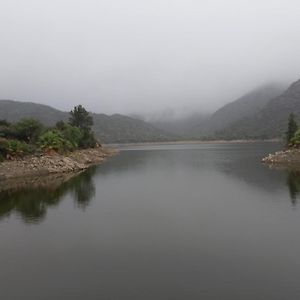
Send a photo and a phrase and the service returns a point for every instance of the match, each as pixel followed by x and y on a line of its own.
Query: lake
pixel 159 222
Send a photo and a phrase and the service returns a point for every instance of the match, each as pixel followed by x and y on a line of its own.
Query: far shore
pixel 181 142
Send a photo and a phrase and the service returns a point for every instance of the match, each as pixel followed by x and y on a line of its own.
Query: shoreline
pixel 287 159
pixel 241 141
pixel 45 164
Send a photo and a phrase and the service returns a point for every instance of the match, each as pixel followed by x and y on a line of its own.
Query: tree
pixel 72 134
pixel 60 125
pixel 27 130
pixel 80 118
pixel 292 128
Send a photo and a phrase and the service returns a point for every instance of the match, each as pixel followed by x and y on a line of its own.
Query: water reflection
pixel 293 182
pixel 30 198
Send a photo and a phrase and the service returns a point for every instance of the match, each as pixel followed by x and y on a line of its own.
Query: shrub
pixel 27 130
pixel 53 140
pixel 6 130
pixel 17 148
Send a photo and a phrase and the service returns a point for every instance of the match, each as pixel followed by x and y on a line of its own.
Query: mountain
pixel 108 129
pixel 122 129
pixel 270 121
pixel 181 126
pixel 248 105
pixel 14 110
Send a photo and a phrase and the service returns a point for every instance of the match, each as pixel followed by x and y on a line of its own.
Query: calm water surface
pixel 205 221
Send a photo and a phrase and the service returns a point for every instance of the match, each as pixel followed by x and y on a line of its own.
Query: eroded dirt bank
pixel 43 164
pixel 284 159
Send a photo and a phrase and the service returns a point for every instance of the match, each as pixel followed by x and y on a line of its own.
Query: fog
pixel 142 57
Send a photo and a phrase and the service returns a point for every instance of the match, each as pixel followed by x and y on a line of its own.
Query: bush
pixel 27 130
pixel 6 130
pixel 17 148
pixel 53 140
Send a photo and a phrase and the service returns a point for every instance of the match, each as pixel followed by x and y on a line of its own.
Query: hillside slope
pixel 108 129
pixel 248 105
pixel 270 121
pixel 15 110
pixel 183 126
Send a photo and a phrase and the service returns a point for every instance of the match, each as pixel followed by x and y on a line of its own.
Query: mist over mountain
pixel 184 126
pixel 259 114
pixel 178 122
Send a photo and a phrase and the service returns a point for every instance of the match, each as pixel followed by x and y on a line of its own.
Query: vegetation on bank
pixel 29 136
pixel 293 133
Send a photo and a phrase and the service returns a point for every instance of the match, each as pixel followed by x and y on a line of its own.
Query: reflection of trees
pixel 293 182
pixel 30 199
pixel 84 188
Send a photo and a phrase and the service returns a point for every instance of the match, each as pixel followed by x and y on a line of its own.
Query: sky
pixel 145 56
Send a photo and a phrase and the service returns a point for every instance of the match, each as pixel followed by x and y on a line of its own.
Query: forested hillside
pixel 239 110
pixel 270 121
pixel 108 129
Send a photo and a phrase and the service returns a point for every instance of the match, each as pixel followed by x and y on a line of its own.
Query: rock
pixel 54 163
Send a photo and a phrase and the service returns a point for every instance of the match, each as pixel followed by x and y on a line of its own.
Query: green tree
pixel 88 140
pixel 27 130
pixel 292 128
pixel 72 134
pixel 60 125
pixel 295 140
pixel 80 118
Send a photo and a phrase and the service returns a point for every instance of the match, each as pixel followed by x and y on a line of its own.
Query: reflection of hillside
pixel 253 172
pixel 241 161
pixel 30 198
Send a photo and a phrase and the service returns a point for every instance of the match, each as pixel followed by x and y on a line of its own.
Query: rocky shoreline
pixel 287 159
pixel 45 164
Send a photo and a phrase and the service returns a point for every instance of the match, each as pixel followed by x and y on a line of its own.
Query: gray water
pixel 205 221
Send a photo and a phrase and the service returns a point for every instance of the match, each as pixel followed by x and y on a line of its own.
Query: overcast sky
pixel 132 56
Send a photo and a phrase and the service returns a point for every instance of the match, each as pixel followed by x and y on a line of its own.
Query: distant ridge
pixel 270 121
pixel 15 110
pixel 260 114
pixel 246 106
pixel 108 129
